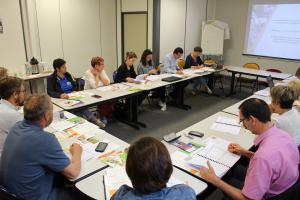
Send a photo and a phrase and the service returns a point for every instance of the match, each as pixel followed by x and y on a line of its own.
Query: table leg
pixel 232 84
pixel 179 96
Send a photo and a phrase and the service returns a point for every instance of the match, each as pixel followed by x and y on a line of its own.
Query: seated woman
pixel 295 86
pixel 146 67
pixel 194 61
pixel 282 99
pixel 61 83
pixel 97 77
pixel 126 73
pixel 149 168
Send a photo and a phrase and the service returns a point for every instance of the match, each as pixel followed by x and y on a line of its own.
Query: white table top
pixel 89 100
pixel 93 185
pixel 244 138
pixel 262 73
pixel 36 76
pixel 93 165
pixel 234 109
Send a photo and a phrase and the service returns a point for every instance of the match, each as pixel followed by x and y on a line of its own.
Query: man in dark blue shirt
pixel 31 157
pixel 194 61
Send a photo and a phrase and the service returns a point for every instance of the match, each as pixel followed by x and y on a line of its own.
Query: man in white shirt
pixel 12 94
pixel 288 120
pixel 170 62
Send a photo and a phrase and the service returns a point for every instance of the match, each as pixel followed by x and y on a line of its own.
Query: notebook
pixel 214 150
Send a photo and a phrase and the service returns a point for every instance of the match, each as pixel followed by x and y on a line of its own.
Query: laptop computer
pixel 171 79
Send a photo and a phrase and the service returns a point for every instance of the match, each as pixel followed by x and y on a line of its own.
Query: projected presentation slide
pixel 274 31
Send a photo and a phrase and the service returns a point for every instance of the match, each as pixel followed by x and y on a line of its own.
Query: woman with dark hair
pixel 149 168
pixel 145 67
pixel 61 83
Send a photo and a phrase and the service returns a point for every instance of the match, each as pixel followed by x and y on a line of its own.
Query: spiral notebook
pixel 214 150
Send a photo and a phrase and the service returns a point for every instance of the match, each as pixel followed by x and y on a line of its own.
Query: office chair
pixel 254 82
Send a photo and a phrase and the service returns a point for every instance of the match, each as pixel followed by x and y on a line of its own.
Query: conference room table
pixel 244 138
pixel 131 92
pixel 253 72
pixel 234 109
pixel 94 165
pixel 33 77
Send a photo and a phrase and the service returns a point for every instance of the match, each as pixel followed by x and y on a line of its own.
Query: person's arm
pixel 140 69
pixel 73 169
pixel 90 80
pixel 51 88
pixel 104 78
pixel 209 175
pixel 132 72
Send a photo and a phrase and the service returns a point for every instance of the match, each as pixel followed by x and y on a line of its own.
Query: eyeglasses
pixel 22 91
pixel 242 120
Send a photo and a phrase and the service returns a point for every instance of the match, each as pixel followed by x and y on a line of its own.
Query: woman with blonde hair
pixel 295 86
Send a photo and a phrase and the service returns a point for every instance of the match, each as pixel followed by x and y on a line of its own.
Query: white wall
pixel 12 50
pixel 180 24
pixel 234 12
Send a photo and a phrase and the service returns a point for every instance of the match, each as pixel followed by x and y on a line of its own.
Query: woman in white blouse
pixel 288 120
pixel 96 76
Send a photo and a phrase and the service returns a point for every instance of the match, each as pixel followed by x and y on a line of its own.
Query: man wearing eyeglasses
pixel 272 169
pixel 12 94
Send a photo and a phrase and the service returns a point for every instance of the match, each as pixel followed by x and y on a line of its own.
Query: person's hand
pixel 75 149
pixel 236 149
pixel 208 174
pixel 130 80
pixel 179 72
pixel 64 96
pixel 152 71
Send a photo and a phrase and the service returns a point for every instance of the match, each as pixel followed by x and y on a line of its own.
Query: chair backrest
pixel 274 70
pixel 252 66
pixel 80 83
pixel 6 195
pixel 115 76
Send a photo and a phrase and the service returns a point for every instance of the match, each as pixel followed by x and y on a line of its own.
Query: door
pixel 134 34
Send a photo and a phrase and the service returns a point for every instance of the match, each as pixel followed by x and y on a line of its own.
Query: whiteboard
pixel 212 40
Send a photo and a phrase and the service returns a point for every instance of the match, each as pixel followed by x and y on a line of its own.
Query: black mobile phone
pixel 101 147
pixel 196 133
pixel 96 96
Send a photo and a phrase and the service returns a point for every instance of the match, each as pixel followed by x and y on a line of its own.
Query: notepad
pixel 214 150
pixel 227 125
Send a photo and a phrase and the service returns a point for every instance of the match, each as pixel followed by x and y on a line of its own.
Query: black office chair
pixel 80 83
pixel 6 195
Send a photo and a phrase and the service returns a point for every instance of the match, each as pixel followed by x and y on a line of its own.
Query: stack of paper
pixel 116 177
pixel 264 93
pixel 227 125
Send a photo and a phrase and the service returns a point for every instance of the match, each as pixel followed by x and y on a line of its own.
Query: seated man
pixel 194 61
pixel 282 99
pixel 273 168
pixel 31 157
pixel 61 83
pixel 170 62
pixel 149 167
pixel 12 94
